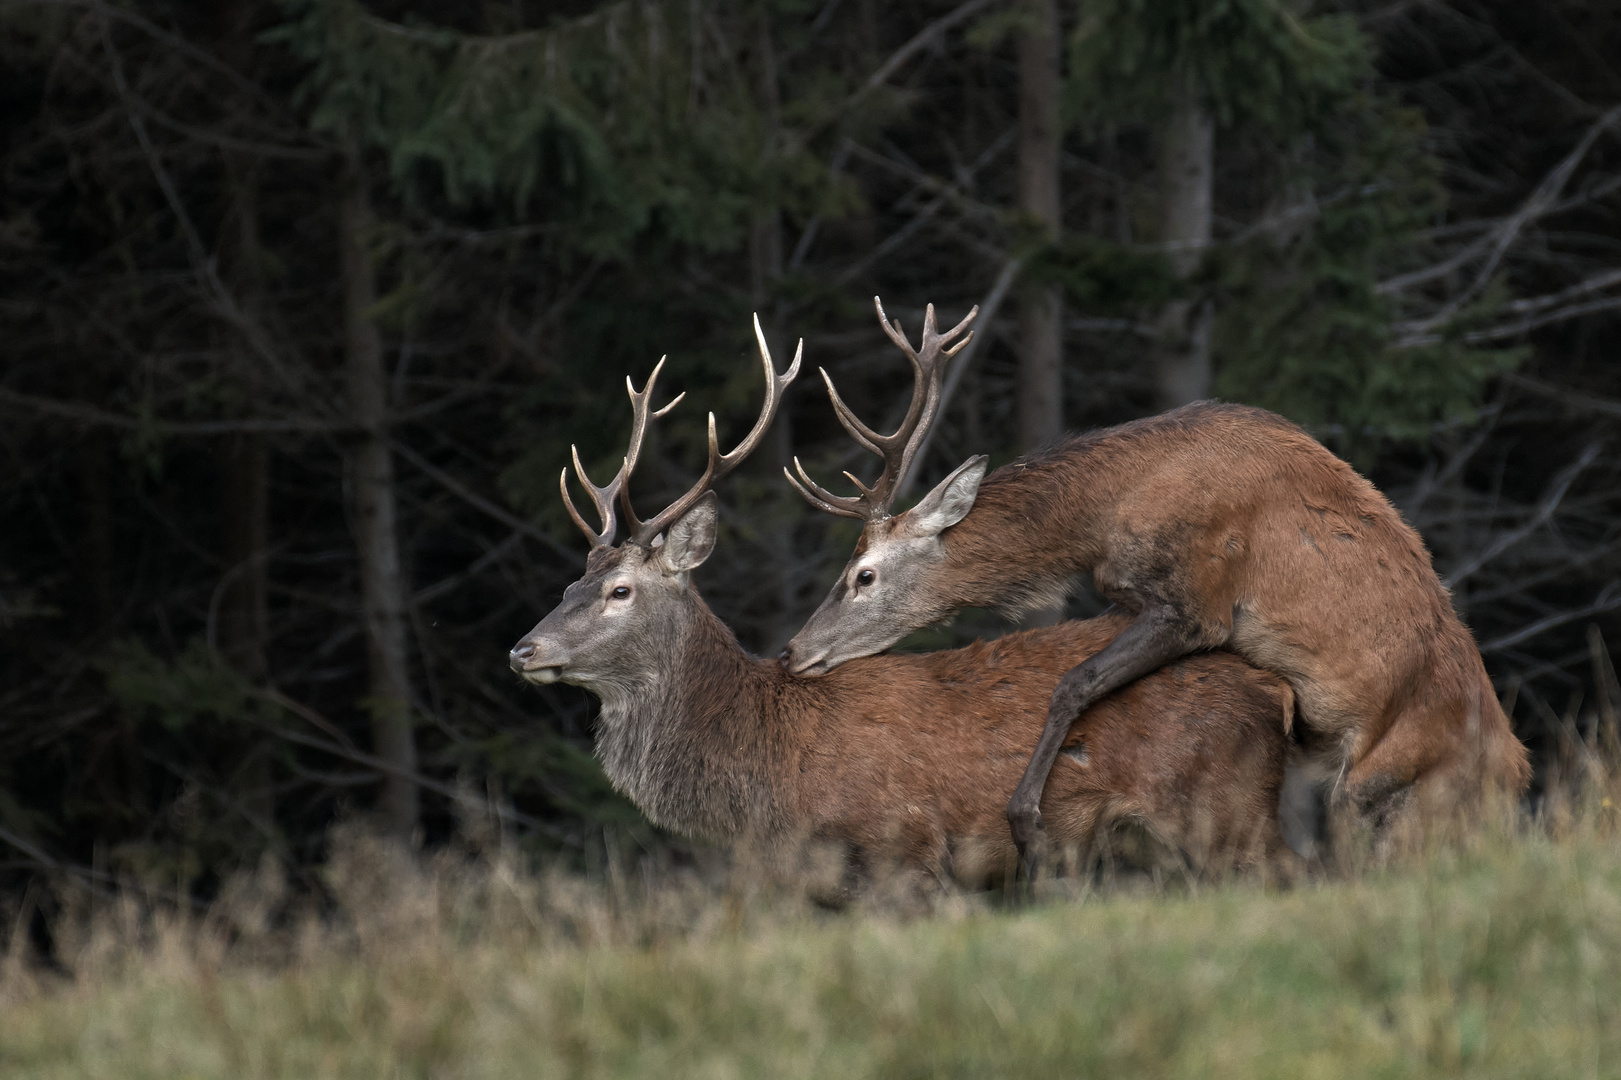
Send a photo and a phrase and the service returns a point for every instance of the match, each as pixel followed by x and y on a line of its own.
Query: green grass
pixel 1504 960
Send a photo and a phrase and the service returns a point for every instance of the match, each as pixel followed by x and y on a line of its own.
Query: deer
pixel 903 760
pixel 1215 526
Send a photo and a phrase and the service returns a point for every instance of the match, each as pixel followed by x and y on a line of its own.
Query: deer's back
pixel 923 749
pixel 1247 524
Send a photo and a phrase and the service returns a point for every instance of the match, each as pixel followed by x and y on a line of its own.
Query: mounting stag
pixel 899 758
pixel 1215 525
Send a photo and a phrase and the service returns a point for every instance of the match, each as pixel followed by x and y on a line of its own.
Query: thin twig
pixel 1545 511
pixel 1497 242
pixel 479 502
pixel 92 416
pixel 1608 600
pixel 918 42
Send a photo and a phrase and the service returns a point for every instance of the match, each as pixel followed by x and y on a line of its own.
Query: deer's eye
pixel 865 577
pixel 621 593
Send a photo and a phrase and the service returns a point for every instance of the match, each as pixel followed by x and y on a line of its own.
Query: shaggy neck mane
pixel 695 742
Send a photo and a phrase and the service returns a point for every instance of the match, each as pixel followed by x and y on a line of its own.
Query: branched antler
pixel 721 464
pixel 643 533
pixel 604 497
pixel 898 449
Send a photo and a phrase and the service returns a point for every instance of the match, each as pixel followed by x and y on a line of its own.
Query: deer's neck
pixel 1035 525
pixel 698 743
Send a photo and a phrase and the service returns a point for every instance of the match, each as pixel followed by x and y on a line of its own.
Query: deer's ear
pixel 688 542
pixel 950 500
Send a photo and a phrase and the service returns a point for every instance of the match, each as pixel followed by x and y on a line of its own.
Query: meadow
pixel 1500 957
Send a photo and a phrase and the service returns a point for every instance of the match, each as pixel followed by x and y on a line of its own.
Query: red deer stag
pixel 1215 525
pixel 899 758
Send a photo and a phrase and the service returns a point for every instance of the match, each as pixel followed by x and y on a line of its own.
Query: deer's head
pixel 884 591
pixel 614 624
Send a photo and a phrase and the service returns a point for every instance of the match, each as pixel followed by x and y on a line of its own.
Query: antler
pixel 897 449
pixel 643 533
pixel 603 497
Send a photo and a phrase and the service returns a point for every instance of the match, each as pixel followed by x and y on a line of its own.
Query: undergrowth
pixel 1495 957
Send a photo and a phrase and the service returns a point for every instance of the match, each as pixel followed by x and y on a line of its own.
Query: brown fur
pixel 1266 543
pixel 909 758
pixel 923 771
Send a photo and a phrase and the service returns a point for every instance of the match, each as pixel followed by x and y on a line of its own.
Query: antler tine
pixel 721 464
pixel 603 497
pixel 959 328
pixel 821 498
pixel 861 433
pixel 934 350
pixel 893 330
pixel 897 449
pixel 774 387
pixel 640 413
pixel 639 403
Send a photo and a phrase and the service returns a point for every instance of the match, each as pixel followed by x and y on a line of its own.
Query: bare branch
pixel 478 502
pixel 360 757
pixel 204 267
pixel 1513 330
pixel 1545 511
pixel 956 189
pixel 1608 600
pixel 1495 245
pixel 923 179
pixel 1583 402
pixel 919 41
pixel 92 416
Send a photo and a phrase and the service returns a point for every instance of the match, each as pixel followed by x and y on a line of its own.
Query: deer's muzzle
pixel 798 662
pixel 537 661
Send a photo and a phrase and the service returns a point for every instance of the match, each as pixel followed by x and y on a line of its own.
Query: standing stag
pixel 1216 526
pixel 901 758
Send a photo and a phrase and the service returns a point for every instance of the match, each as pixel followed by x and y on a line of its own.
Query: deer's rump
pixel 1194 752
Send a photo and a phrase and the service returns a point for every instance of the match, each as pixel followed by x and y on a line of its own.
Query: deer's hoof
pixel 1028 830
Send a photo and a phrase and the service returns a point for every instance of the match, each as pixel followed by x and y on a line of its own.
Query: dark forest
pixel 305 301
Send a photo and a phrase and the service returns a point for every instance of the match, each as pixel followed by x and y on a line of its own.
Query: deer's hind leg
pixel 1437 770
pixel 1156 636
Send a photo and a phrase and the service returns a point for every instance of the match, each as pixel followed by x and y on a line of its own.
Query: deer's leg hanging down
pixel 1158 635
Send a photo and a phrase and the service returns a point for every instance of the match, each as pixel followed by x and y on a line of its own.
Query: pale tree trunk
pixel 371 477
pixel 1187 170
pixel 1041 306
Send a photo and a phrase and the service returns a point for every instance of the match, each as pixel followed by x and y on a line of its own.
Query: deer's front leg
pixel 1158 635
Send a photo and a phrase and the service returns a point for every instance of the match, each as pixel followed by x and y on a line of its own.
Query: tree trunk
pixel 371 474
pixel 243 632
pixel 1041 307
pixel 1187 170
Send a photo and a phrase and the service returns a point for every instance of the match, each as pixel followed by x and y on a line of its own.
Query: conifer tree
pixel 1265 74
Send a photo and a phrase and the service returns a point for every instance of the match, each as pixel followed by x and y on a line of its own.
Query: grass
pixel 1502 959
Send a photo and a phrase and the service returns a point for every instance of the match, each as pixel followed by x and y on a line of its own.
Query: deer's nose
pixel 520 653
pixel 786 657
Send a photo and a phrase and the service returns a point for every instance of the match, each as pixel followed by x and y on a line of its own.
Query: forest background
pixel 305 301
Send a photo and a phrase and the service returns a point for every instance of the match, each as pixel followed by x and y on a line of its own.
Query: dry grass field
pixel 1501 957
